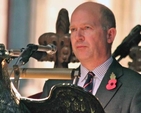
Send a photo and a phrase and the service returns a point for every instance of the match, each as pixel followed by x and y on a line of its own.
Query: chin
pixel 82 57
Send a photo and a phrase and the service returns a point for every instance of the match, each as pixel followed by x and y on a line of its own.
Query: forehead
pixel 84 17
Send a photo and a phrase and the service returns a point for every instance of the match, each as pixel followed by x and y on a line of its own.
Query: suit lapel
pixel 102 92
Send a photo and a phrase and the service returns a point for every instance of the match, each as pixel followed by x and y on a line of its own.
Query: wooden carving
pixel 61 39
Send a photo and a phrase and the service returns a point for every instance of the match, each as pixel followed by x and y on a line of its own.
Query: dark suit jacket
pixel 125 98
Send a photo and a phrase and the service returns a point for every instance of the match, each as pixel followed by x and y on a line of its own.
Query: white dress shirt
pixel 99 74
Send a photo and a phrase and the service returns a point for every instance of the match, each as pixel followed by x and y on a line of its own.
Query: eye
pixel 72 29
pixel 87 27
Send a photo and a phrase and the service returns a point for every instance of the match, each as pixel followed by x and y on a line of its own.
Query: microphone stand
pixel 22 59
pixel 16 76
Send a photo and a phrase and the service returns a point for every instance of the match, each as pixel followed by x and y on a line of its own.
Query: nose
pixel 79 35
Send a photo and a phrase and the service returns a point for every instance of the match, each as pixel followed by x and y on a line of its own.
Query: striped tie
pixel 89 82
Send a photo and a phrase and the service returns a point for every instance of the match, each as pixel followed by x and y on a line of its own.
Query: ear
pixel 111 33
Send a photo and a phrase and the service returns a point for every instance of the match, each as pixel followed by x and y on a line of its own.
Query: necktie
pixel 89 82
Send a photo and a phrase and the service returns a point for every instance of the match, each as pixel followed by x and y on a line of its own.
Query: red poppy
pixel 111 84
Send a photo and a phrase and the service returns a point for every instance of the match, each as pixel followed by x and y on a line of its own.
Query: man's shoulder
pixel 127 72
pixel 131 76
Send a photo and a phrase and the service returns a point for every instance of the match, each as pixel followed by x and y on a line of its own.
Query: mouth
pixel 80 47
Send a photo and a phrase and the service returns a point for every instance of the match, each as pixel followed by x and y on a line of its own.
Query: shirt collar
pixel 98 71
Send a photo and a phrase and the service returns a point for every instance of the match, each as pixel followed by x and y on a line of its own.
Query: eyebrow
pixel 71 27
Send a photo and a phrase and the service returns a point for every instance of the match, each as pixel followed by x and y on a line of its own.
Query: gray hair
pixel 107 18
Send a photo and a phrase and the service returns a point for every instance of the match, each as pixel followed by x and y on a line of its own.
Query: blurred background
pixel 24 21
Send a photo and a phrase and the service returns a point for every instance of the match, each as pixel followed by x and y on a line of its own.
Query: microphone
pixel 131 40
pixel 38 52
pixel 50 48
pixel 38 55
pixel 14 53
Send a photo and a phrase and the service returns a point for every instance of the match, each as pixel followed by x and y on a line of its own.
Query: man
pixel 93 29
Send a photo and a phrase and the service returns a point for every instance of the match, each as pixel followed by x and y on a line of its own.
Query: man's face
pixel 88 39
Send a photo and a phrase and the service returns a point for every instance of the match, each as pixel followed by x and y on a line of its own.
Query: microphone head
pixel 52 50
